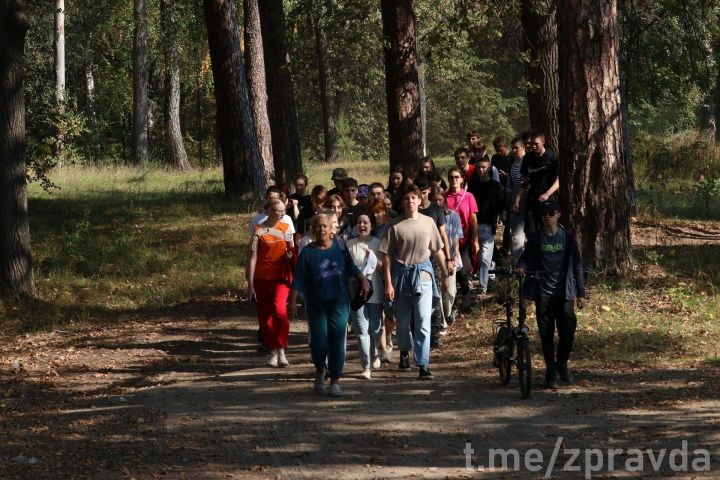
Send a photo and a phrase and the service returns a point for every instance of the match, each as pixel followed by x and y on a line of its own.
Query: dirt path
pixel 185 395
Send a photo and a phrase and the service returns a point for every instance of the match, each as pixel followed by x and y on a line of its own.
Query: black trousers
pixel 555 312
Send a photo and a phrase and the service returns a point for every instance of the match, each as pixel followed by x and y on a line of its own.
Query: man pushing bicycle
pixel 553 249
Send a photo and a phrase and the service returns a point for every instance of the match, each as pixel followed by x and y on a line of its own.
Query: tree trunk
pixel 540 27
pixel 141 77
pixel 281 98
pixel 175 154
pixel 16 276
pixel 326 101
pixel 235 127
pixel 401 83
pixel 593 174
pixel 255 64
pixel 60 75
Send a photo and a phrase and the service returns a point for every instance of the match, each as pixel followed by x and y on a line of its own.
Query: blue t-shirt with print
pixel 321 274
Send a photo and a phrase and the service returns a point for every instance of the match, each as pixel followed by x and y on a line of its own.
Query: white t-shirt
pixel 364 254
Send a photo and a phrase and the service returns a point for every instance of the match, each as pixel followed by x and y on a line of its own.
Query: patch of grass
pixel 120 241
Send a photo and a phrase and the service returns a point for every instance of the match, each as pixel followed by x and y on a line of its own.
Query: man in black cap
pixel 554 251
pixel 339 175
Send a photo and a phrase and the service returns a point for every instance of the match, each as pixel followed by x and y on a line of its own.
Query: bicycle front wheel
pixel 524 368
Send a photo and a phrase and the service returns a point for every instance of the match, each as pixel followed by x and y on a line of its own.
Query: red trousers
pixel 271 296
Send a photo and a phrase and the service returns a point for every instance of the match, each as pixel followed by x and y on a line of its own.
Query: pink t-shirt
pixel 462 202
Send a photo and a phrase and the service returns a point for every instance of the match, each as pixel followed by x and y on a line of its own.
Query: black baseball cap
pixel 550 206
pixel 422 183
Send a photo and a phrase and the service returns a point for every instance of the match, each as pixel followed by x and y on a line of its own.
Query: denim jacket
pixel 407 279
pixel 574 274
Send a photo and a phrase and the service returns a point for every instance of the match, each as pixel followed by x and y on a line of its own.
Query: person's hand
pixel 520 272
pixel 475 247
pixel 389 293
pixel 543 198
pixel 250 292
pixel 581 302
pixel 450 267
pixel 364 287
pixel 294 202
pixel 516 206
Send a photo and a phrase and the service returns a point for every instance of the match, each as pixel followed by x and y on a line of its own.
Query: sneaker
pixel 565 375
pixel 404 362
pixel 282 361
pixel 365 374
pixel 425 373
pixel 376 362
pixel 385 357
pixel 552 384
pixel 435 342
pixel 335 390
pixel 443 332
pixel 273 362
pixel 319 385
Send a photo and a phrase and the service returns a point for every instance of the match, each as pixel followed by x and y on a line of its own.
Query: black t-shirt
pixel 502 163
pixel 435 212
pixel 302 224
pixel 489 198
pixel 304 201
pixel 542 172
pixel 353 212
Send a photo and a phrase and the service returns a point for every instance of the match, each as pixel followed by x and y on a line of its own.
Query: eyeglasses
pixel 548 213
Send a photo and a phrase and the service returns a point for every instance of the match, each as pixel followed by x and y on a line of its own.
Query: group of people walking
pixel 403 255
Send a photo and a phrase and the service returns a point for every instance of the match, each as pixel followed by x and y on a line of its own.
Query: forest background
pixel 107 239
pixel 471 57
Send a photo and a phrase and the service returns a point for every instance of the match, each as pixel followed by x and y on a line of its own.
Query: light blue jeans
pixel 419 340
pixel 486 238
pixel 367 324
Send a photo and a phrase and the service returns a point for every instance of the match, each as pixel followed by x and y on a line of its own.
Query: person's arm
pixel 446 242
pixel 553 188
pixel 250 272
pixel 474 234
pixel 389 290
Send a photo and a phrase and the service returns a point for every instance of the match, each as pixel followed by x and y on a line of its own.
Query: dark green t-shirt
pixel 552 251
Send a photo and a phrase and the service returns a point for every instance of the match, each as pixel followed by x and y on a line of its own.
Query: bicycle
pixel 508 339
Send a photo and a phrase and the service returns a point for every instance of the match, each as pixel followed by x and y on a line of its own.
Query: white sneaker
pixel 273 362
pixel 335 390
pixel 319 385
pixel 282 361
pixel 376 362
pixel 366 373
